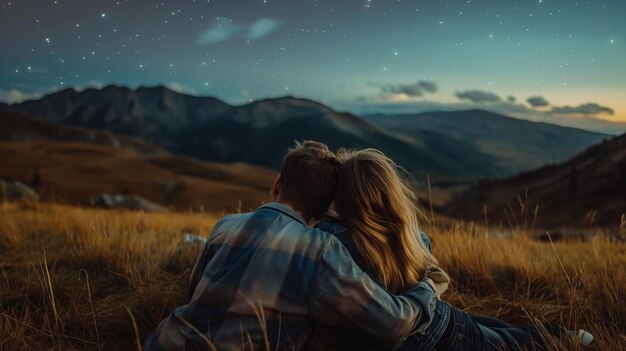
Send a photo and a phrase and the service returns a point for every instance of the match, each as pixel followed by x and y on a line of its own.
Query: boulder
pixel 16 191
pixel 127 202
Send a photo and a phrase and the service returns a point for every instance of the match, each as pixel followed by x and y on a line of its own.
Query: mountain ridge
pixel 510 145
pixel 260 132
pixel 152 113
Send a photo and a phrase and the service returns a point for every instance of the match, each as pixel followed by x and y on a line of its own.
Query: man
pixel 265 277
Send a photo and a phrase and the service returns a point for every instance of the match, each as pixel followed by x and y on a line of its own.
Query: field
pixel 75 173
pixel 73 278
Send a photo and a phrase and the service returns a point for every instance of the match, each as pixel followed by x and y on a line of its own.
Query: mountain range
pixel 466 144
pixel 153 114
pixel 502 145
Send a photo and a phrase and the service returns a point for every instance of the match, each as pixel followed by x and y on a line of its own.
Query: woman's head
pixel 382 210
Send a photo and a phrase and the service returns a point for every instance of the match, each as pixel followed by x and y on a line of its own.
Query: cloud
pixel 413 90
pixel 263 27
pixel 12 96
pixel 478 96
pixel 511 99
pixel 92 84
pixel 538 101
pixel 180 88
pixel 590 108
pixel 224 29
pixel 366 105
pixel 95 84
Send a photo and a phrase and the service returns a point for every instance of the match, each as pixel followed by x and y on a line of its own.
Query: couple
pixel 266 280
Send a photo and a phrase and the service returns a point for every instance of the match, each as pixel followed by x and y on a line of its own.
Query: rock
pixel 16 191
pixel 127 202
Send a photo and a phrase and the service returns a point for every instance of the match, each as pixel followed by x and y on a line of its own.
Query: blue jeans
pixel 477 333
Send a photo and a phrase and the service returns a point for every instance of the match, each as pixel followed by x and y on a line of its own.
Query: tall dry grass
pixel 74 278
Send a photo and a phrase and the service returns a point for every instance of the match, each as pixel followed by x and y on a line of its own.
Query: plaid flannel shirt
pixel 265 278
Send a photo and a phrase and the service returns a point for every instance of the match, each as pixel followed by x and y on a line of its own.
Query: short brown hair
pixel 309 174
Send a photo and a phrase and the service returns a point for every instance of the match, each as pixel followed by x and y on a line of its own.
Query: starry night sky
pixel 569 57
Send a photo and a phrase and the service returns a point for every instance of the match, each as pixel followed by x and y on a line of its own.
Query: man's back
pixel 264 277
pixel 250 288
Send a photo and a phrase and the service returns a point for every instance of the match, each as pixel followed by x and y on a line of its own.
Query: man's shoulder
pixel 284 229
pixel 229 218
pixel 320 235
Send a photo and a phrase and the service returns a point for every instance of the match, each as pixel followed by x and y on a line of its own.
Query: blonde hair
pixel 383 214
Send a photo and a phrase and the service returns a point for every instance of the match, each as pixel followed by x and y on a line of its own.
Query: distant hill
pixel 75 173
pixel 501 144
pixel 590 188
pixel 458 145
pixel 16 127
pixel 154 114
pixel 260 133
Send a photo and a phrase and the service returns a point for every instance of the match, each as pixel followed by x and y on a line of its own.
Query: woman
pixel 377 221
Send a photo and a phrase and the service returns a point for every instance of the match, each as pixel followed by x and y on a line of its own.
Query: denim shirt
pixel 425 336
pixel 265 278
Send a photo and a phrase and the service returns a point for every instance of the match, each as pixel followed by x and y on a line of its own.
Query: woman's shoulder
pixel 332 224
pixel 338 227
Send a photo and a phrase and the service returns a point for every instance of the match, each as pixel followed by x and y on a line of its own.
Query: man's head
pixel 308 178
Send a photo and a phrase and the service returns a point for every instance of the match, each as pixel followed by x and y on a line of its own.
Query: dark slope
pixel 590 188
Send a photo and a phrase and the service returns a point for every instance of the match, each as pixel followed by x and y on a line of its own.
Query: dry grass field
pixel 75 173
pixel 73 278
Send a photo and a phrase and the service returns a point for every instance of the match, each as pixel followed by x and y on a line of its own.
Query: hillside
pixel 459 145
pixel 75 173
pixel 588 189
pixel 16 127
pixel 503 145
